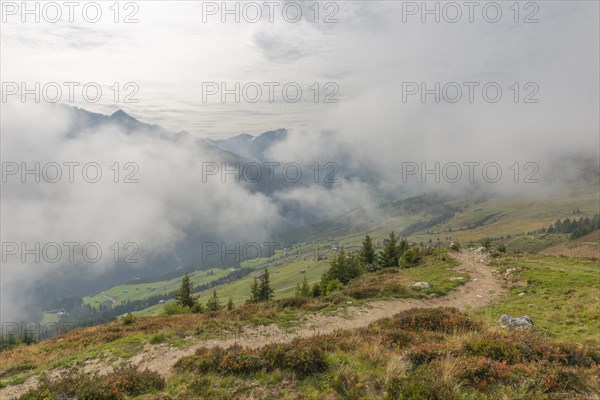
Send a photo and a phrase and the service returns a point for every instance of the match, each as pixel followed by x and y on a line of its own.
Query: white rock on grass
pixel 421 285
pixel 509 322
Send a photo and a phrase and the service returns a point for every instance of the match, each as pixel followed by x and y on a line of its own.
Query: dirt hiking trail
pixel 481 288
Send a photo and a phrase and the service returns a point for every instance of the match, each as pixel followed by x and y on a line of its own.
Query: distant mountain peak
pixel 250 146
pixel 120 114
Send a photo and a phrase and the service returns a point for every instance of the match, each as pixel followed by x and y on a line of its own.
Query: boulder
pixel 421 285
pixel 509 322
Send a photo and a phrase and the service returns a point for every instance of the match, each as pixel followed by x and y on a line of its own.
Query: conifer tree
pixel 388 257
pixel 305 289
pixel 184 295
pixel 402 247
pixel 367 253
pixel 213 303
pixel 254 292
pixel 265 290
pixel 343 268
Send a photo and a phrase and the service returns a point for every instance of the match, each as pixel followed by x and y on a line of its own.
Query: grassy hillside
pixel 475 218
pixel 118 341
pixel 560 294
pixel 122 293
pixel 499 217
pixel 419 353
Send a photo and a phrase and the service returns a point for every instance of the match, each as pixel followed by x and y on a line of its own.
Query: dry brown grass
pixel 586 248
pixel 81 340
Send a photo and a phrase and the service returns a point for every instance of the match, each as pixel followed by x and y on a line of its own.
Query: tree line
pixel 575 227
pixel 344 267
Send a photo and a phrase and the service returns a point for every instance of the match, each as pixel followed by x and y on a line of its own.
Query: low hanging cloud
pixel 171 200
pixel 372 135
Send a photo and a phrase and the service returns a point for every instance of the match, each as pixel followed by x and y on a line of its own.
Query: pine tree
pixel 213 303
pixel 254 293
pixel 305 289
pixel 402 247
pixel 367 253
pixel 343 267
pixel 388 257
pixel 184 295
pixel 230 304
pixel 315 291
pixel 265 290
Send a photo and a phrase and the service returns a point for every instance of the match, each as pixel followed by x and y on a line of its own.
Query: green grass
pixel 123 293
pixel 417 354
pixel 284 271
pixel 510 216
pixel 561 295
pixel 49 319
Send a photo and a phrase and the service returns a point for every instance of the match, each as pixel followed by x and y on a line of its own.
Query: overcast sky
pixel 375 46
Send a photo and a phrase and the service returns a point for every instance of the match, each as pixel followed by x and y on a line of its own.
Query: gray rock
pixel 509 322
pixel 421 285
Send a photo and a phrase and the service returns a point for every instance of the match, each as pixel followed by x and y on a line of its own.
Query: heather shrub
pixel 292 302
pixel 517 347
pixel 130 381
pixel 426 353
pixel 442 319
pixel 204 360
pixel 305 359
pixel 273 355
pixel 362 293
pixel 299 357
pixel 398 338
pixel 240 361
pixel 543 377
pixel 481 372
pixel 114 386
pixel 95 388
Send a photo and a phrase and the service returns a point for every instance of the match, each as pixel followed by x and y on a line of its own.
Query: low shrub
pixel 543 377
pixel 481 372
pixel 131 381
pixel 362 293
pixel 95 388
pixel 518 347
pixel 299 357
pixel 273 355
pixel 203 361
pixel 114 386
pixel 427 352
pixel 157 338
pixel 442 319
pixel 411 257
pixel 305 359
pixel 292 302
pixel 174 309
pixel 396 339
pixel 128 319
pixel 240 361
